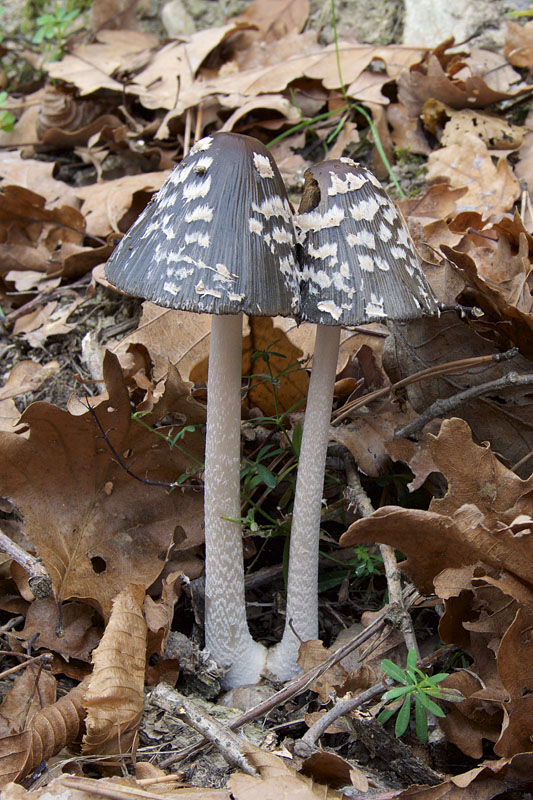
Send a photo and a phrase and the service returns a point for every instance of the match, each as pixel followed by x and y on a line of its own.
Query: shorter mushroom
pixel 358 265
pixel 218 238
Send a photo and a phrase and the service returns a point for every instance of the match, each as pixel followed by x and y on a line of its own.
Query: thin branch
pixel 118 460
pixel 39 580
pixel 227 742
pixel 444 405
pixel 388 555
pixel 431 372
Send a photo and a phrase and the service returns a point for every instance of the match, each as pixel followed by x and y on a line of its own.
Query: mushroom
pixel 218 238
pixel 357 266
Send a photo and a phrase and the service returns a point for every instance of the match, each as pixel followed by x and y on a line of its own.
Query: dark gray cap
pixel 358 264
pixel 218 237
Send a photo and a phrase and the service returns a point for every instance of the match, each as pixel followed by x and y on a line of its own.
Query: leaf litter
pixel 89 148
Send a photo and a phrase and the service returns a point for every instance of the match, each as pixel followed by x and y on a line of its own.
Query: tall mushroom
pixel 218 238
pixel 357 266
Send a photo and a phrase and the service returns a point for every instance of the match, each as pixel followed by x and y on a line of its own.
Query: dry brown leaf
pixel 108 206
pixel 277 781
pixel 51 729
pixel 81 628
pixel 519 44
pixel 90 66
pixel 275 19
pixel 37 176
pixel 313 653
pixel 115 698
pixel 32 690
pixel 498 308
pixel 491 190
pixel 472 80
pixel 461 533
pixel 72 787
pixel 93 525
pixel 27 376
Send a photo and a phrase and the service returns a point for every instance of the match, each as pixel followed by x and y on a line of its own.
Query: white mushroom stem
pixel 302 590
pixel 226 630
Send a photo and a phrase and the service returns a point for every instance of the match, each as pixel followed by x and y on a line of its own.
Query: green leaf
pixel 385 714
pixel 440 676
pixel 398 691
pixel 451 695
pixel 421 720
pixel 402 720
pixel 394 671
pixel 411 659
pixel 429 704
pixel 266 475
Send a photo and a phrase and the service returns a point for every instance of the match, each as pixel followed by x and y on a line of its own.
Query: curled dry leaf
pixel 115 698
pixel 94 527
pixel 32 690
pixel 50 731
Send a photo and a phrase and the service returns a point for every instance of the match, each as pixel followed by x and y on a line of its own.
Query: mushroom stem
pixel 226 630
pixel 302 595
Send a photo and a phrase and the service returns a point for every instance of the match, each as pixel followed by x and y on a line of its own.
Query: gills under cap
pixel 358 264
pixel 218 237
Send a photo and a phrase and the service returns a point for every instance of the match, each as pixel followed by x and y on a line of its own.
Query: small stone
pixel 177 20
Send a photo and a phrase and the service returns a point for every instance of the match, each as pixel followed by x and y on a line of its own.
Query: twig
pixel 122 465
pixel 45 659
pixel 444 405
pixel 307 744
pixel 210 728
pixel 105 789
pixel 390 563
pixel 39 580
pixel 431 372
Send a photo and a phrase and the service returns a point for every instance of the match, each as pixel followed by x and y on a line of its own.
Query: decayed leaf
pixel 115 697
pixel 93 525
pixel 50 731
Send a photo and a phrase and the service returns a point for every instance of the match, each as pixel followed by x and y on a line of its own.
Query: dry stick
pixel 307 744
pixel 300 684
pixel 104 789
pixel 431 372
pixel 446 404
pixel 229 744
pixel 387 553
pixel 44 659
pixel 39 580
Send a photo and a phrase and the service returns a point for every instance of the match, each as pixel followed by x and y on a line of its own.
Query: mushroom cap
pixel 218 237
pixel 358 264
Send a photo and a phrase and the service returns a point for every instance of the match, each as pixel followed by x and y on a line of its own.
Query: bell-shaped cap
pixel 218 237
pixel 358 264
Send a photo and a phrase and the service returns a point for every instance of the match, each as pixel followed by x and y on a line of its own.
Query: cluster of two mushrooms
pixel 219 238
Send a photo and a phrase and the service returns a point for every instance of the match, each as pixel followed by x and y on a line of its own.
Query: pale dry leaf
pixel 105 205
pixel 38 177
pixel 115 698
pixel 491 190
pixel 90 66
pixel 27 376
